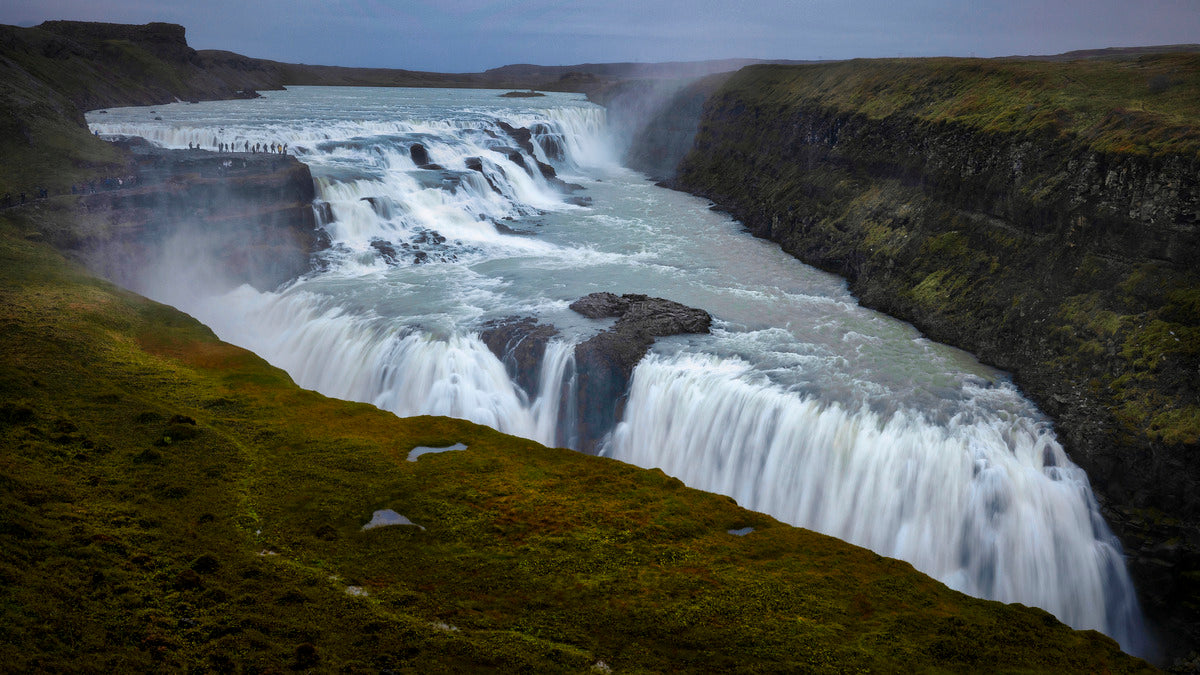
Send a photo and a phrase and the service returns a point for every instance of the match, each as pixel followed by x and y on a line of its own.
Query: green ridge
pixel 1145 105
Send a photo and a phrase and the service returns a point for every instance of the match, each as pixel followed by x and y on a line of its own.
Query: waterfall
pixel 988 503
pixel 978 493
pixel 395 368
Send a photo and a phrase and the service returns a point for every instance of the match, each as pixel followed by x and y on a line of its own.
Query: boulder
pixel 605 362
pixel 419 154
pixel 520 344
pixel 522 136
pixel 386 251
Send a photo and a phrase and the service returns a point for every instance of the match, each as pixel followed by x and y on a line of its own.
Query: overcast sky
pixel 473 35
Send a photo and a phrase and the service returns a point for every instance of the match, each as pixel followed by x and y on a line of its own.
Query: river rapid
pixel 800 404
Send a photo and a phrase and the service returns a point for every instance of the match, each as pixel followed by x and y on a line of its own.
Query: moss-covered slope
pixel 1043 215
pixel 171 502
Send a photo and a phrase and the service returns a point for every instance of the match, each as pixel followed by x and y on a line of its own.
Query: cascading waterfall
pixel 406 371
pixel 978 494
pixel 987 503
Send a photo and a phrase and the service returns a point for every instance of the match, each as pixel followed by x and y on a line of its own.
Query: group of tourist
pixel 269 148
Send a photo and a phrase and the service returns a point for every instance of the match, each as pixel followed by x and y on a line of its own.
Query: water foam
pixel 988 503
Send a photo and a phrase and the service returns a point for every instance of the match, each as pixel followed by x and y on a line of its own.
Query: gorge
pixel 1053 237
pixel 463 213
pixel 800 404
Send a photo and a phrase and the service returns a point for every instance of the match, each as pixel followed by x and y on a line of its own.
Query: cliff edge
pixel 1042 215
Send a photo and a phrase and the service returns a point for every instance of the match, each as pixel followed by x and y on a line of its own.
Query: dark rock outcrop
pixel 420 156
pixel 517 158
pixel 551 142
pixel 522 136
pixel 248 217
pixel 605 362
pixel 386 250
pixel 520 344
pixel 476 164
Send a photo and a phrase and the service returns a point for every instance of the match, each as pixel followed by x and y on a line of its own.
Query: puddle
pixel 424 450
pixel 742 532
pixel 385 517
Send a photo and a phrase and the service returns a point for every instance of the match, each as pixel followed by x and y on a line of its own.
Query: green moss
pixel 1149 347
pixel 1108 103
pixel 939 289
pixel 947 244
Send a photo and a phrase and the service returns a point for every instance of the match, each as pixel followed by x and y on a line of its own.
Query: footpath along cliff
pixel 1041 214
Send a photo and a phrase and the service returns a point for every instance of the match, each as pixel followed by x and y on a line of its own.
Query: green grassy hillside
pixel 1146 105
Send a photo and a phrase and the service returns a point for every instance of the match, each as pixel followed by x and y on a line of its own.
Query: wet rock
pixel 419 154
pixel 520 344
pixel 600 305
pixel 605 362
pixel 386 251
pixel 429 237
pixel 638 313
pixel 476 164
pixel 522 136
pixel 550 141
pixel 505 229
pixel 547 171
pixel 323 212
pixel 517 158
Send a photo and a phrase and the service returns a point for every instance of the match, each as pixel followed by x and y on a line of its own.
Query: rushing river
pixel 801 403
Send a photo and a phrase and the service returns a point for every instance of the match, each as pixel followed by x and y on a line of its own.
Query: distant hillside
pixel 50 74
pixel 1112 53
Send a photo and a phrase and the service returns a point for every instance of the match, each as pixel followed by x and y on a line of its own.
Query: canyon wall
pixel 199 218
pixel 1048 227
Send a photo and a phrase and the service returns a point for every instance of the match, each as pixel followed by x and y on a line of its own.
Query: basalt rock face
pixel 165 40
pixel 1070 266
pixel 605 362
pixel 593 398
pixel 520 344
pixel 233 217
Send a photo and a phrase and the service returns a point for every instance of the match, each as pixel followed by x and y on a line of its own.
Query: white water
pixel 801 404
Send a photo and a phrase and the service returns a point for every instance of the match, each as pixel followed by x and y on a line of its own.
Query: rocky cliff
pixel 1041 215
pixel 232 217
